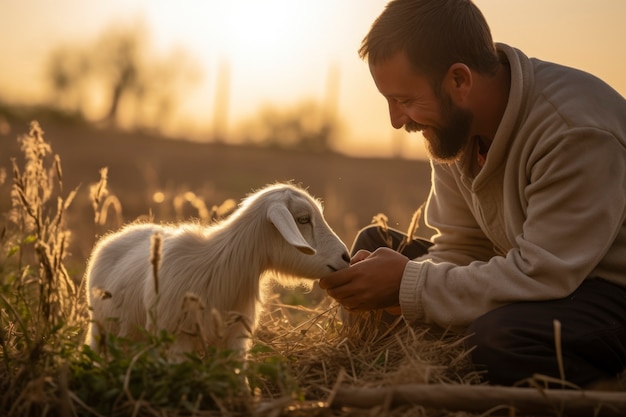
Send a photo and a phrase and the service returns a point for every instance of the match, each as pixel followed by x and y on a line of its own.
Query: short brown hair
pixel 434 34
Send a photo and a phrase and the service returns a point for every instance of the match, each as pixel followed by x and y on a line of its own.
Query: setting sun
pixel 253 29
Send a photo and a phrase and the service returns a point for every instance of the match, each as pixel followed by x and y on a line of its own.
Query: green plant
pixel 139 376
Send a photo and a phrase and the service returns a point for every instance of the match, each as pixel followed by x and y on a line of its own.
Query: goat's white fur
pixel 217 268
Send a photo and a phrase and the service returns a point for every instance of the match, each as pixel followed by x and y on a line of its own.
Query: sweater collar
pixel 521 83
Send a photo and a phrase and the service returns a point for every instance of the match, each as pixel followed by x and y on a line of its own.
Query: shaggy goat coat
pixel 207 274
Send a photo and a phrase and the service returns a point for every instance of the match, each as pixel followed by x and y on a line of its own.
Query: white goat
pixel 218 268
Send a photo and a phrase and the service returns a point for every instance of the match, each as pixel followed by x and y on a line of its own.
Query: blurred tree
pixel 119 56
pixel 65 69
pixel 304 126
pixel 116 79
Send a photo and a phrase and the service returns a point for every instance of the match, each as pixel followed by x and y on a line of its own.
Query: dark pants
pixel 516 341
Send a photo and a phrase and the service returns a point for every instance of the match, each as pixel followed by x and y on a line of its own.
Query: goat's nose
pixel 346 257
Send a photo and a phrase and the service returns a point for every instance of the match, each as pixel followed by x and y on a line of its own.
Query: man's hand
pixel 371 282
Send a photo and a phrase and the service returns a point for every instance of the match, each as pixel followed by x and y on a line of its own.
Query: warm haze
pixel 281 52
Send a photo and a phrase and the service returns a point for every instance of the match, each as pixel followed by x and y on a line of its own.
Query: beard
pixel 447 142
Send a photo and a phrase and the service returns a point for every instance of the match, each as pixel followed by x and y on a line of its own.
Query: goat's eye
pixel 304 219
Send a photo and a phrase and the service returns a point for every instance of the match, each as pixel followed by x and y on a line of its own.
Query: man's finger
pixel 359 256
pixel 334 280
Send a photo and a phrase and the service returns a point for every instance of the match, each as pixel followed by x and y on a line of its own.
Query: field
pixel 304 361
pixel 139 165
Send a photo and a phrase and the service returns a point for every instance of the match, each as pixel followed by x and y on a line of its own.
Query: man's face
pixel 447 141
pixel 414 105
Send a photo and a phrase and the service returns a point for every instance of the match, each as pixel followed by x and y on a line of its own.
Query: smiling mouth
pixel 414 127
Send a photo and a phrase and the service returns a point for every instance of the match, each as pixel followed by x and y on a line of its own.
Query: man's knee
pixel 369 238
pixel 374 236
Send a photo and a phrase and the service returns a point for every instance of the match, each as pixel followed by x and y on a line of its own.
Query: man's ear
pixel 458 81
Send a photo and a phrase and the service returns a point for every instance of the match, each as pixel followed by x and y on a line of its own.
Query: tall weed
pixel 39 301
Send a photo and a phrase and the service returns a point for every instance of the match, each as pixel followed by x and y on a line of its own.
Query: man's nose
pixel 397 116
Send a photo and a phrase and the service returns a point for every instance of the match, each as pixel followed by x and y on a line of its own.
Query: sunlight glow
pixel 256 53
pixel 253 27
pixel 158 197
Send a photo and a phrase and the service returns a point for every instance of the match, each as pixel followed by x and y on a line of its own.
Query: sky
pixel 281 52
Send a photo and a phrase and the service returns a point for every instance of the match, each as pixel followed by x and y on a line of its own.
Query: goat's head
pixel 301 243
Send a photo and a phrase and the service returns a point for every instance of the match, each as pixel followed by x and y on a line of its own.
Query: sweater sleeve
pixel 574 204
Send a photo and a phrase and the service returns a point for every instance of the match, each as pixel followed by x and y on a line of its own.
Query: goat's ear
pixel 280 217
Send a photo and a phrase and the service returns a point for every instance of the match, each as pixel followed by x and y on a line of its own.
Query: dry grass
pixel 325 352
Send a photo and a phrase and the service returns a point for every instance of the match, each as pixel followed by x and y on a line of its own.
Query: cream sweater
pixel 546 211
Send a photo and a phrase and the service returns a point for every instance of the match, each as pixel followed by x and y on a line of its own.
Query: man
pixel 528 199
